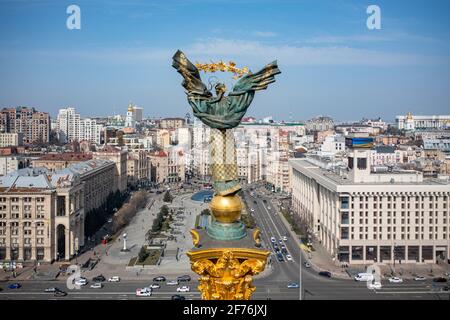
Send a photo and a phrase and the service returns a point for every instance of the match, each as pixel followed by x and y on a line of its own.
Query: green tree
pixel 167 197
pixel 143 254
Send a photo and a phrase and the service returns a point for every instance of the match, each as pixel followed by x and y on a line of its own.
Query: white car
pixel 114 279
pixel 143 292
pixel 81 281
pixel 395 280
pixel 183 289
pixel 273 240
pixel 374 285
pixel 252 210
pixel 268 208
pixel 420 278
pixel 97 285
pixel 289 257
pixel 172 283
pixel 284 238
pixel 154 286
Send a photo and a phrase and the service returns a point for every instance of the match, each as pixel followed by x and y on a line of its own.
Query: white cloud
pixel 252 53
pixel 264 34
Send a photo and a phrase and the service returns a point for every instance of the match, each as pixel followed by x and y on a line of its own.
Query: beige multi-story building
pixel 362 217
pixel 159 166
pixel 11 139
pixel 119 157
pixel 138 167
pixel 11 163
pixel 41 215
pixel 58 161
pixel 171 123
pixel 34 125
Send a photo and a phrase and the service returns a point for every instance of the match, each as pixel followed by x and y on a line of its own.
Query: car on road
pixel 172 283
pixel 109 220
pixel 273 240
pixel 183 289
pixel 114 279
pixel 420 278
pixel 252 210
pixel 283 249
pixel 439 279
pixel 81 281
pixel 374 285
pixel 99 278
pixel 280 241
pixel 364 277
pixel 293 285
pixel 325 274
pixel 395 280
pixel 143 292
pixel 51 289
pixel 254 201
pixel 14 286
pixel 154 286
pixel 60 293
pixel 97 285
pixel 289 257
pixel 307 264
pixel 178 297
pixel 285 238
pixel 280 257
pixel 159 279
pixel 445 289
pixel 184 278
pixel 268 208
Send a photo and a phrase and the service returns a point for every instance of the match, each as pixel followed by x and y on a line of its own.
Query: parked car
pixel 178 297
pixel 14 286
pixel 395 280
pixel 289 257
pixel 325 274
pixel 114 279
pixel 51 289
pixel 172 282
pixel 143 292
pixel 420 278
pixel 154 286
pixel 183 289
pixel 159 279
pixel 99 278
pixel 439 279
pixel 60 293
pixel 374 285
pixel 97 285
pixel 184 278
pixel 293 285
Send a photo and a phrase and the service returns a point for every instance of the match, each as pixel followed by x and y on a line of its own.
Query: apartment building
pixel 34 125
pixel 11 139
pixel 70 127
pixel 119 157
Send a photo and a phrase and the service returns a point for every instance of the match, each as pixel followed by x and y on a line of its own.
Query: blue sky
pixel 331 63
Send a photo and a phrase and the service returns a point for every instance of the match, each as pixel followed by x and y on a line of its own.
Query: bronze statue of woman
pixel 221 113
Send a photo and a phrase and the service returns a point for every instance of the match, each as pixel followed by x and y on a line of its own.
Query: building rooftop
pixel 68 156
pixel 331 175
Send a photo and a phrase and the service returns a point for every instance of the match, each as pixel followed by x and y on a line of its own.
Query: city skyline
pixel 332 63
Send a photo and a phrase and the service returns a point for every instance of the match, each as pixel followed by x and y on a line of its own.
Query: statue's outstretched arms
pixel 192 81
pixel 256 81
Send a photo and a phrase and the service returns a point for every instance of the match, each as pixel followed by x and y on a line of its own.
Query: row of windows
pixel 25 241
pixel 25 199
